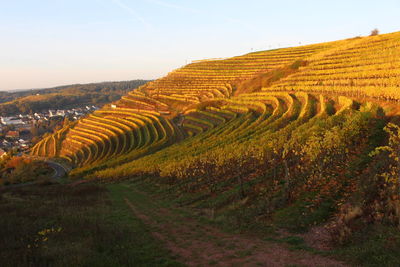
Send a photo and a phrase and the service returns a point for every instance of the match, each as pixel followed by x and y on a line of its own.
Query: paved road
pixel 59 169
pixel 59 172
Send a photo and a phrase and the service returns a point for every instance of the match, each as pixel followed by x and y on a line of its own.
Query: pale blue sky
pixel 45 43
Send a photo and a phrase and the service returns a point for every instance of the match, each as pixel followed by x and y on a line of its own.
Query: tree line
pixel 31 101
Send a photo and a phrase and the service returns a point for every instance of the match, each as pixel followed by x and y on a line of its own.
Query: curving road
pixel 59 170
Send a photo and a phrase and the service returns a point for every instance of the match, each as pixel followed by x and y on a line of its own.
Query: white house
pixel 52 113
pixel 60 113
pixel 11 121
pixel 2 153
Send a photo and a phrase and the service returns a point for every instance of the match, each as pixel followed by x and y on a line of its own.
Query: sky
pixel 46 43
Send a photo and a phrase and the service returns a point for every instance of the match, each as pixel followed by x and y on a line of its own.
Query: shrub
pixel 345 224
pixel 297 64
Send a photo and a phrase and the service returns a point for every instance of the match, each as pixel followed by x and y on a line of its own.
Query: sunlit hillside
pixel 296 137
pixel 207 94
pixel 199 133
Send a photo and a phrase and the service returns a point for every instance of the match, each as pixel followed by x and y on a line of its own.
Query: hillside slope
pixel 292 135
pixel 153 115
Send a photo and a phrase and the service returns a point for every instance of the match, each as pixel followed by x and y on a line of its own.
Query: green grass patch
pixel 298 217
pixel 63 225
pixel 377 245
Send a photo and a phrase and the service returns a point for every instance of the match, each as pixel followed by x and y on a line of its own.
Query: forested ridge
pixel 36 100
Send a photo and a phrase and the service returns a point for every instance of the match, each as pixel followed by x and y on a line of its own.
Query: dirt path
pixel 198 244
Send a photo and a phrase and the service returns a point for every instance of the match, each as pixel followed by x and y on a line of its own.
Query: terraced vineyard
pixel 228 104
pixel 368 67
pixel 208 95
pixel 263 118
pixel 296 137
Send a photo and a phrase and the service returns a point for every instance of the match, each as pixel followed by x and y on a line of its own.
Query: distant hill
pixel 27 101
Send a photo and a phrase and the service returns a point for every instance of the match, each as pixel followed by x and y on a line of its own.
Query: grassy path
pixel 196 243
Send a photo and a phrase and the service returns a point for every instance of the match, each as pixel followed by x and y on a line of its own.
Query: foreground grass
pixel 376 245
pixel 62 225
pixel 196 241
pixel 370 245
pixel 92 225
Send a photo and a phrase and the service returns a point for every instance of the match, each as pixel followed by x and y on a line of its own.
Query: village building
pixel 12 134
pixel 2 153
pixel 12 121
pixel 60 113
pixel 19 125
pixel 52 112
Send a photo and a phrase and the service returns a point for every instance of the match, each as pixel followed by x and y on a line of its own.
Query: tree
pixel 374 32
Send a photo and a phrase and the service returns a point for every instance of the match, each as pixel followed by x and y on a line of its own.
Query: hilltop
pixel 299 139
